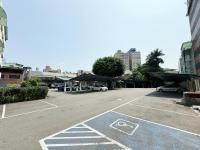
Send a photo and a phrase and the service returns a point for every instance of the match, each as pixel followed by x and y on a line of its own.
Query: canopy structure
pixel 173 77
pixel 63 78
pixel 91 77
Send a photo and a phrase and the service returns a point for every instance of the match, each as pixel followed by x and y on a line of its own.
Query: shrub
pixel 12 85
pixel 31 82
pixel 11 95
pixel 25 84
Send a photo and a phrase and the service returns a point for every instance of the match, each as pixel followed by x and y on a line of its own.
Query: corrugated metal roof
pixel 64 78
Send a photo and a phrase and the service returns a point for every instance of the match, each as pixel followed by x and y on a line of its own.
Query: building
pixel 131 59
pixel 70 74
pixel 194 18
pixel 13 73
pixel 81 72
pixel 186 62
pixel 124 57
pixel 50 78
pixel 134 59
pixel 49 69
pixel 3 31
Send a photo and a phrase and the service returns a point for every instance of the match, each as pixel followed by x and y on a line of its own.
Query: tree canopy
pixel 152 64
pixel 109 66
pixel 154 59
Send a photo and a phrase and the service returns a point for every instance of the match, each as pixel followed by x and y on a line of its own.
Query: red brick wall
pixel 7 80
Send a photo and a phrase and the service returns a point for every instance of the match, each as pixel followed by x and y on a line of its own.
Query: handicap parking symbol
pixel 125 126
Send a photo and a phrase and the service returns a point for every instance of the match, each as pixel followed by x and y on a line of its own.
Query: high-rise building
pixel 194 17
pixel 131 59
pixel 49 69
pixel 124 57
pixel 186 62
pixel 134 58
pixel 3 31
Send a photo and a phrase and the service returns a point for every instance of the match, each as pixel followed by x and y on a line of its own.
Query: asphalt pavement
pixel 118 119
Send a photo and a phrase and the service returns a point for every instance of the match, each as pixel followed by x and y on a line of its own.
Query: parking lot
pixel 120 119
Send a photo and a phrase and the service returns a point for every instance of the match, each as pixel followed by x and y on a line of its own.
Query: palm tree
pixel 154 60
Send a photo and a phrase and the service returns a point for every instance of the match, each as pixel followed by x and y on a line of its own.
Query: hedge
pixel 14 94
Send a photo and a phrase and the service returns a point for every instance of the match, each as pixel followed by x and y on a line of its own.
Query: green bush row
pixel 14 94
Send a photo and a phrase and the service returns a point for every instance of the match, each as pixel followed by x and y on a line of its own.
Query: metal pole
pixel 70 86
pixel 65 87
pixel 80 86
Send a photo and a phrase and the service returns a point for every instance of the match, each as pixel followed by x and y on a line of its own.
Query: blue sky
pixel 72 34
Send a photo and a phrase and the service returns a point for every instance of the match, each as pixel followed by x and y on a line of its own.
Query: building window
pixel 2 76
pixel 14 76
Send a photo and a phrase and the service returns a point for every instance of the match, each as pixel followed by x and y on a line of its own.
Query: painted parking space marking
pixel 148 135
pixel 102 147
pixel 124 126
pixel 114 130
pixel 72 138
pixel 3 111
pixel 119 99
pixel 53 106
pixel 50 106
pixel 164 110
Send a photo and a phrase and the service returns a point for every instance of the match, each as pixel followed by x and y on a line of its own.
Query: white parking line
pixel 119 99
pixel 3 111
pixel 195 111
pixel 80 127
pixel 155 101
pixel 48 103
pixel 79 144
pixel 78 132
pixel 112 141
pixel 99 135
pixel 113 109
pixel 77 137
pixel 164 110
pixel 26 113
pixel 36 111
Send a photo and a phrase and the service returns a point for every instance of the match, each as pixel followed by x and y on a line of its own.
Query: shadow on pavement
pixel 166 94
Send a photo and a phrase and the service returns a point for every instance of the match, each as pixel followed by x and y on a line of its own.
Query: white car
pixel 168 89
pixel 99 88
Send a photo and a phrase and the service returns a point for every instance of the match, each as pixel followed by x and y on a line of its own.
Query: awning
pixel 63 78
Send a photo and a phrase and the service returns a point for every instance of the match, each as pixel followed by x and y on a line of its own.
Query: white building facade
pixel 124 57
pixel 3 31
pixel 131 59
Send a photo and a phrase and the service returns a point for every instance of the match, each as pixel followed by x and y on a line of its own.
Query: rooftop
pixel 186 45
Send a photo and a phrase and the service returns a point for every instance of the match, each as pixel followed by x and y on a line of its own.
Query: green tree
pixel 137 75
pixel 154 60
pixel 141 74
pixel 108 66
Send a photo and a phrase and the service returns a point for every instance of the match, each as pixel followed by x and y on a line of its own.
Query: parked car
pixel 169 88
pixel 99 88
pixel 61 88
pixel 74 88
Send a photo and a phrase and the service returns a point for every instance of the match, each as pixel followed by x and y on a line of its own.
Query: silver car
pixel 99 88
pixel 169 89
